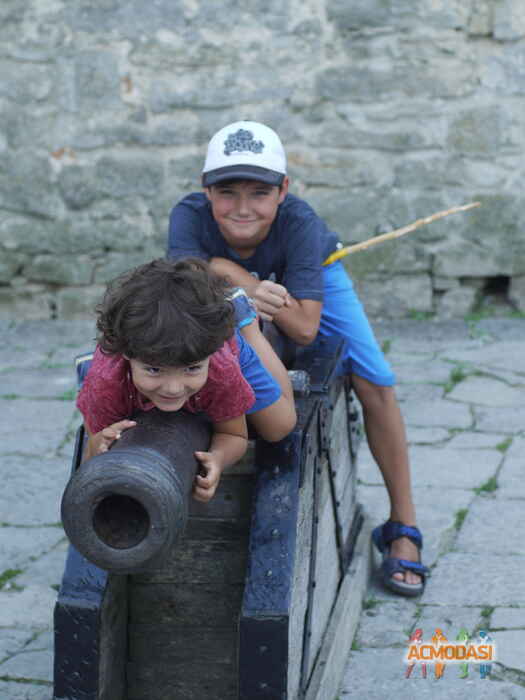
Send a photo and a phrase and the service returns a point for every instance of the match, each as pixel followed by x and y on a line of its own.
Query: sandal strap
pixel 393 530
pixel 392 565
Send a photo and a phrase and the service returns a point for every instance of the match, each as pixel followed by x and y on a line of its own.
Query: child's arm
pixel 98 443
pixel 297 318
pixel 228 444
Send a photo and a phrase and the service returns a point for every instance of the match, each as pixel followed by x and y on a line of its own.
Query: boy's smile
pixel 168 388
pixel 244 211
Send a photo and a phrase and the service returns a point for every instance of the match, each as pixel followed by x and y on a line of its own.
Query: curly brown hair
pixel 165 313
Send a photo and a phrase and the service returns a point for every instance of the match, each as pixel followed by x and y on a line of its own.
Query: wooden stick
pixel 342 252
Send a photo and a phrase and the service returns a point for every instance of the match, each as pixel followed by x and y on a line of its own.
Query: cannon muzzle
pixel 125 509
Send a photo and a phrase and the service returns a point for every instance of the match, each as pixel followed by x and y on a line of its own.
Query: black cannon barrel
pixel 125 509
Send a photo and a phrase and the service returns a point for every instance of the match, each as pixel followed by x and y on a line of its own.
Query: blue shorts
pixel 265 388
pixel 343 315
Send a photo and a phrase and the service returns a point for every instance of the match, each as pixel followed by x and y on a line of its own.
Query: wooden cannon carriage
pixel 261 597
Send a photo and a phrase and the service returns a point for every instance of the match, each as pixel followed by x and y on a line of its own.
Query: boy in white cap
pixel 273 244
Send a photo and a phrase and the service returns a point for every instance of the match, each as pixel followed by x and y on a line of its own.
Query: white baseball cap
pixel 245 151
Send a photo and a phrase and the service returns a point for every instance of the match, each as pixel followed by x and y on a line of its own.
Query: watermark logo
pixel 439 651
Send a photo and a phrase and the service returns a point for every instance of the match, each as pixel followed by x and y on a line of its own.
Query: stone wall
pixel 389 109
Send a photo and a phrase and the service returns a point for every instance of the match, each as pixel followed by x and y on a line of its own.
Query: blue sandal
pixel 383 536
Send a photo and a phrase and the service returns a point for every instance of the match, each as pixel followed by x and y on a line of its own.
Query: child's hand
pixel 101 442
pixel 205 486
pixel 269 298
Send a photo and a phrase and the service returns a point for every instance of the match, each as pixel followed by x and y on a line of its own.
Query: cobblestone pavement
pixel 460 386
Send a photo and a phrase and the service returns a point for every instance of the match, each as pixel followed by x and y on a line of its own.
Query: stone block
pixel 78 302
pixel 78 186
pixel 32 301
pixel 63 270
pixel 509 20
pixel 517 291
pixel 481 130
pixel 500 420
pixel 376 674
pixel 114 264
pixel 396 296
pixel 508 618
pixel 33 489
pixel 456 303
pixel 510 478
pixel 509 646
pixel 356 15
pixel 487 391
pixel 478 535
pixel 478 580
pixel 22 167
pixel 128 176
pixel 11 264
pixel 44 382
pixel 25 691
pixel 18 546
pixel 503 71
pixel 37 422
pixel 437 414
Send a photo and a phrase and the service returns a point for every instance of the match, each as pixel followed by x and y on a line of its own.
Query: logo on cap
pixel 242 140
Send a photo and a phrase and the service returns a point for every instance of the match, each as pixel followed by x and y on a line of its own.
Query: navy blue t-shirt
pixel 291 254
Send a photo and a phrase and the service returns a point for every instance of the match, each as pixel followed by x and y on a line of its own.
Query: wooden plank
pixel 328 672
pixel 197 563
pixel 90 625
pixel 301 574
pixel 173 662
pixel 156 646
pixel 233 499
pixel 205 680
pixel 180 605
pixel 327 573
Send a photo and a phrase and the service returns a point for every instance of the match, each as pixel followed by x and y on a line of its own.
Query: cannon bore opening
pixel 120 521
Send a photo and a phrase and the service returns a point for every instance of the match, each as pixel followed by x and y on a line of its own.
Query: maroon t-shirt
pixel 108 394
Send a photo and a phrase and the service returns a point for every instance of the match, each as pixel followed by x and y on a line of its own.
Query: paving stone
pixel 425 336
pixel 426 436
pixel 510 479
pixel 470 439
pixel 437 413
pixel 32 608
pixel 38 663
pixel 409 369
pixel 19 357
pixel 454 469
pixel 418 392
pixel 33 427
pixel 25 691
pixel 449 618
pixel 508 618
pixel 19 544
pixel 435 512
pixel 51 383
pixel 485 391
pixel 509 648
pixel 32 489
pixel 386 623
pixel 48 569
pixel 493 525
pixel 12 641
pixel 505 355
pixel 376 674
pixel 500 420
pixel 474 579
pixel 44 641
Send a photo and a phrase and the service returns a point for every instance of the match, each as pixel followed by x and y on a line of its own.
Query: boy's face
pixel 168 388
pixel 244 211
